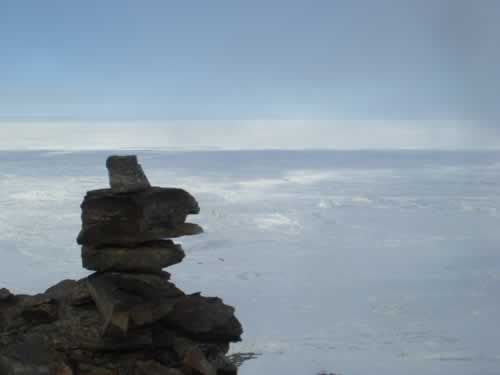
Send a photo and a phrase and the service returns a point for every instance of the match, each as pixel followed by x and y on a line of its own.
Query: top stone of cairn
pixel 126 174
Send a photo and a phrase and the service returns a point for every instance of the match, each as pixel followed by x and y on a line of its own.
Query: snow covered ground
pixel 346 262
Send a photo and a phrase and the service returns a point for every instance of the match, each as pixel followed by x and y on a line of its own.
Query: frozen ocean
pixel 337 262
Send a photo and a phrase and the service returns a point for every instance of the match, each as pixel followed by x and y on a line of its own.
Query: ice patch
pixel 391 243
pixel 36 196
pixel 448 356
pixel 392 309
pixel 261 183
pixel 331 202
pixel 344 201
pixel 361 200
pixel 324 204
pixel 279 222
pixel 305 177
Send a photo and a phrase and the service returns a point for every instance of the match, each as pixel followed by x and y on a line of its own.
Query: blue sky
pixel 415 61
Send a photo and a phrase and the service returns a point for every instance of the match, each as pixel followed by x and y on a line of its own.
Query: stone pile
pixel 127 318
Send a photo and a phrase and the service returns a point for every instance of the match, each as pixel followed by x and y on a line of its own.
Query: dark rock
pixel 70 291
pixel 126 174
pixel 80 295
pixel 64 369
pixel 113 304
pixel 129 219
pixel 61 290
pixel 223 365
pixel 110 235
pixel 39 309
pixel 203 357
pixel 154 368
pixel 5 294
pixel 147 257
pixel 132 299
pixel 194 356
pixel 80 329
pixel 196 360
pixel 32 355
pixel 206 318
pixel 11 314
pixel 145 285
pixel 88 369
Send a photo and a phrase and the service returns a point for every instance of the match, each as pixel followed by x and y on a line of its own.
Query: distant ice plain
pixel 353 263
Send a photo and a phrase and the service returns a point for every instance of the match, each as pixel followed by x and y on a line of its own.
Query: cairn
pixel 127 317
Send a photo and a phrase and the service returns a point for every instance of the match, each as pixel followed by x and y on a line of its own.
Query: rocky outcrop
pixel 128 318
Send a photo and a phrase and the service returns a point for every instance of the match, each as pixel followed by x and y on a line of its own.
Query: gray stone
pixel 130 219
pixel 126 174
pixel 147 257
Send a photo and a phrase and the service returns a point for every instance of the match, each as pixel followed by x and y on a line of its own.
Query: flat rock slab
pixel 126 174
pixel 147 257
pixel 133 218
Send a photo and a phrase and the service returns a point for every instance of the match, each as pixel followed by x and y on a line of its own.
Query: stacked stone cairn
pixel 127 318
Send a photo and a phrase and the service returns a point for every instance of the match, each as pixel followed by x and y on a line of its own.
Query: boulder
pixel 205 318
pixel 126 174
pixel 131 219
pixel 147 257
